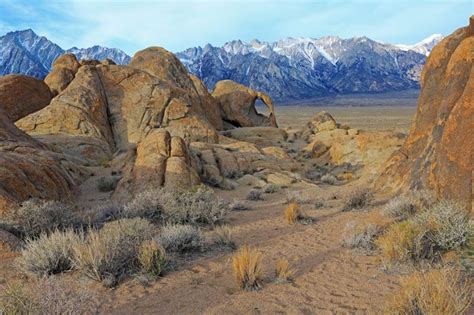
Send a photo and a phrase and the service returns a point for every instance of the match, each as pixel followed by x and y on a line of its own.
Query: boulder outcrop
pixel 28 169
pixel 64 69
pixel 21 95
pixel 365 151
pixel 438 153
pixel 237 104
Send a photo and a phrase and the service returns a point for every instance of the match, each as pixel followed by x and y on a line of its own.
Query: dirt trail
pixel 329 279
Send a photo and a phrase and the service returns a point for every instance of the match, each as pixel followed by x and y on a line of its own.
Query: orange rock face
pixel 237 104
pixel 438 153
pixel 21 95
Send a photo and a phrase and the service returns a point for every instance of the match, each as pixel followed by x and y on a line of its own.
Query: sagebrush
pixel 181 238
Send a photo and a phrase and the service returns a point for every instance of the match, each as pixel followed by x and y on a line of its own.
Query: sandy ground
pixel 329 279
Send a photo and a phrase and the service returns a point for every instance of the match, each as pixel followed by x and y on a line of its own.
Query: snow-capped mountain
pixel 27 53
pixel 425 46
pixel 298 68
pixel 100 53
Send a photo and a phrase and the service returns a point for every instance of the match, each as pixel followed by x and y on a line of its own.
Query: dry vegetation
pixel 443 227
pixel 357 200
pixel 361 237
pixel 293 213
pixel 437 291
pixel 283 271
pixel 247 266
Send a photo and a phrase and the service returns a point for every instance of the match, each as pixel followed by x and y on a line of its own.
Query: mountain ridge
pixel 292 68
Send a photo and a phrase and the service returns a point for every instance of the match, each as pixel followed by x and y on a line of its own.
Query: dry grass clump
pixel 405 206
pixel 247 267
pixel 443 227
pixel 49 254
pixel 112 252
pixel 294 214
pixel 441 291
pixel 361 237
pixel 106 184
pixel 181 238
pixel 152 258
pixel 224 237
pixel 35 216
pixel 271 188
pixel 47 296
pixel 283 271
pixel 357 200
pixel 254 195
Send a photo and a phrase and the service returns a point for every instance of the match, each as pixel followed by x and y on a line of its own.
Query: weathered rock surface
pixel 238 105
pixel 366 151
pixel 76 122
pixel 21 95
pixel 261 136
pixel 322 121
pixel 438 153
pixel 64 70
pixel 160 161
pixel 29 169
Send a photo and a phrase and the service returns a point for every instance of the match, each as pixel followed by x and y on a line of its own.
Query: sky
pixel 179 24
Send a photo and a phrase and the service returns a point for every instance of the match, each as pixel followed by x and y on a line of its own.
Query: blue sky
pixel 178 24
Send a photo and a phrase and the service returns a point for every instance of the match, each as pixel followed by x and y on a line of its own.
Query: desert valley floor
pixel 328 278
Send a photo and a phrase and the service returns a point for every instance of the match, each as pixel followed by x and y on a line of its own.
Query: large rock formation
pixel 27 167
pixel 238 105
pixel 438 152
pixel 21 95
pixel 64 70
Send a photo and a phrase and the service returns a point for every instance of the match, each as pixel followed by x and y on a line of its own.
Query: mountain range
pixel 27 53
pixel 288 69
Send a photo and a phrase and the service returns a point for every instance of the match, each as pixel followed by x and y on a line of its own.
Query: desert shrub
pixel 361 237
pixel 448 224
pixel 98 216
pixel 319 203
pixel 438 291
pixel 357 200
pixel 247 267
pixel 294 214
pixel 404 242
pixel 404 206
pixel 111 252
pixel 271 188
pixel 152 257
pixel 47 296
pixel 35 216
pixel 48 254
pixel 329 179
pixel 106 184
pixel 444 226
pixel 254 195
pixel 238 205
pixel 200 206
pixel 400 207
pixel 179 238
pixel 300 196
pixel 223 237
pixel 147 204
pixel 283 271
